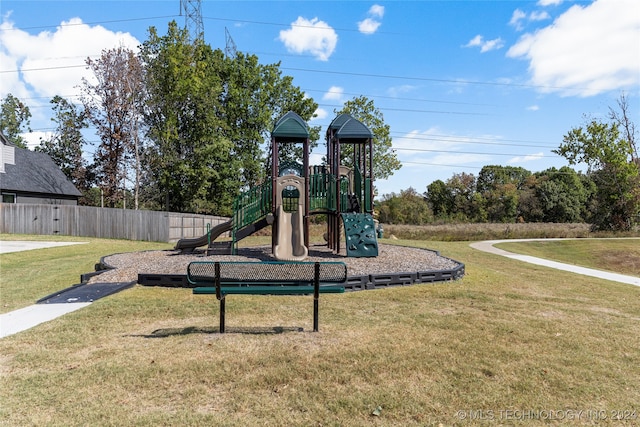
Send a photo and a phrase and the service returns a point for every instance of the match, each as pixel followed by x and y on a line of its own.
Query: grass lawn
pixel 616 255
pixel 508 344
pixel 28 276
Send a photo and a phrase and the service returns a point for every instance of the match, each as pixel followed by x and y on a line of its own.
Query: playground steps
pixel 220 248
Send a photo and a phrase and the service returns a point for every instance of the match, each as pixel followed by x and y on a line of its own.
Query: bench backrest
pixel 199 272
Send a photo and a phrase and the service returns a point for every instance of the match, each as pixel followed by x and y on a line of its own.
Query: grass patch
pixel 491 231
pixel 616 255
pixel 30 275
pixel 509 336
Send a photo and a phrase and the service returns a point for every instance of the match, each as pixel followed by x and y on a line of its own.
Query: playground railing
pixel 251 205
pixel 322 194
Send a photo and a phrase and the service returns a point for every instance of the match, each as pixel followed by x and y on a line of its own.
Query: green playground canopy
pixel 290 125
pixel 346 127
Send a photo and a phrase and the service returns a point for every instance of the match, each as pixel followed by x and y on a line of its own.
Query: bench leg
pixel 315 315
pixel 222 304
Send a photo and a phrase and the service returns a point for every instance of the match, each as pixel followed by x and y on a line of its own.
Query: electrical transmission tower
pixel 230 46
pixel 192 18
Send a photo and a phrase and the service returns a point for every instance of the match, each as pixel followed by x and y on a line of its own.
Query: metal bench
pixel 222 278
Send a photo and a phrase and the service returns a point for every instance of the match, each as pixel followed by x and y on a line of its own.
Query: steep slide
pixel 188 245
pixel 290 245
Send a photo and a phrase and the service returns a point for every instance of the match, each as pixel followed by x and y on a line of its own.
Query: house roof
pixel 34 172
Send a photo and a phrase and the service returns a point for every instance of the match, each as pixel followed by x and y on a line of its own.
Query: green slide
pixel 360 234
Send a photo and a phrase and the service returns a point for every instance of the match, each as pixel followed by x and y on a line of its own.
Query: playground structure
pixel 296 191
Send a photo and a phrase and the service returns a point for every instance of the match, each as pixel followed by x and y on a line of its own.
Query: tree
pixel 385 160
pixel 466 202
pixel 408 207
pixel 253 97
pixel 561 195
pixel 440 199
pixel 190 163
pixel 112 106
pixel 490 177
pixel 612 163
pixel 499 187
pixel 14 120
pixel 622 119
pixel 65 145
pixel 208 117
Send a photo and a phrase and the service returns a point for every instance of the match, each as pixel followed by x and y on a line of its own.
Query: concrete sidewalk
pixel 487 246
pixel 7 246
pixel 33 315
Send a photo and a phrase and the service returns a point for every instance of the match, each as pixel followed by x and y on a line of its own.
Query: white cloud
pixel 368 26
pixel 434 148
pixel 371 24
pixel 539 16
pixel 517 18
pixel 376 11
pixel 525 159
pixel 485 45
pixel 549 2
pixel 533 108
pixel 586 51
pixel 320 114
pixel 313 36
pixel 33 138
pixel 335 93
pixel 52 63
pixel 396 91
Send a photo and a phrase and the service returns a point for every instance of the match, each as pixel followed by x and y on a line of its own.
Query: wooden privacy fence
pixel 85 221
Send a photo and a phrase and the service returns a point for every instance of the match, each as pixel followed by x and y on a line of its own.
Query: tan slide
pixel 290 244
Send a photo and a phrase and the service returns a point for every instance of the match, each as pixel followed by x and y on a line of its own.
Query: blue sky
pixel 462 84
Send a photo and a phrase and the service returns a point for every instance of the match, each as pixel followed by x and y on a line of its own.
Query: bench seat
pixel 222 278
pixel 269 290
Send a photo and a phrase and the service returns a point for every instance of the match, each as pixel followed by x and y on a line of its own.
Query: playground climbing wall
pixel 360 235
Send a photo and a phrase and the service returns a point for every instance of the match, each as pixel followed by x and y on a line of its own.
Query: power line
pixel 474 140
pixel 468 152
pixel 113 21
pixel 398 98
pixel 427 79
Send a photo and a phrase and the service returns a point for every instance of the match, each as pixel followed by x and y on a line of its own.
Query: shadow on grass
pixel 170 332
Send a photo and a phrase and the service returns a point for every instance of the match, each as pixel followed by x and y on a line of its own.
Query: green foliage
pixel 408 207
pixel 514 194
pixel 561 195
pixel 440 198
pixel 190 164
pixel 208 118
pixel 613 168
pixel 14 120
pixel 253 98
pixel 385 160
pixel 491 177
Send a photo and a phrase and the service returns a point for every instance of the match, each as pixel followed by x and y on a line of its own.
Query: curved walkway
pixel 487 246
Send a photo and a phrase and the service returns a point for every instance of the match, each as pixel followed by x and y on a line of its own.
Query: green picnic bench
pixel 222 278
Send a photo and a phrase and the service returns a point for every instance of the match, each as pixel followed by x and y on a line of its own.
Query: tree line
pixel 607 196
pixel 183 127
